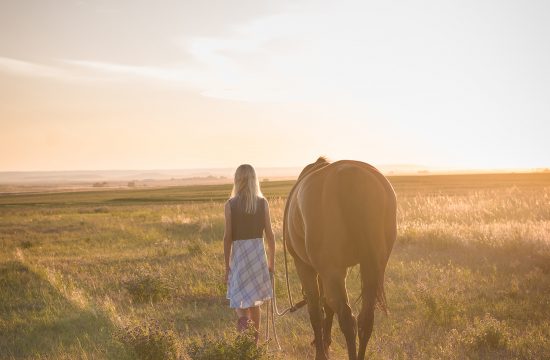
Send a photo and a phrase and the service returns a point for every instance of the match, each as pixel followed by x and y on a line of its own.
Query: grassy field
pixel 469 276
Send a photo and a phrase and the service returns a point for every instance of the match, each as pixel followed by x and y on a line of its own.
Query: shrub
pixel 148 341
pixel 486 333
pixel 439 305
pixel 25 244
pixel 242 346
pixel 147 288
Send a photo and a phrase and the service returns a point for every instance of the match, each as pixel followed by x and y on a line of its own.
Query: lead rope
pixel 273 303
pixel 293 307
pixel 271 306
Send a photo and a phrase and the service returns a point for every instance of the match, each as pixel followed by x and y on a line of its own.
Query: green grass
pixel 40 322
pixel 469 276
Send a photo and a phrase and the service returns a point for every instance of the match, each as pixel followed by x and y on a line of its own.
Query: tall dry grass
pixel 469 276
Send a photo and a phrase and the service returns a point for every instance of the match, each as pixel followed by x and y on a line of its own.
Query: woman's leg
pixel 243 312
pixel 256 316
pixel 243 316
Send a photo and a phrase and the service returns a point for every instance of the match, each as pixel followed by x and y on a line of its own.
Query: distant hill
pixel 85 176
pixel 120 176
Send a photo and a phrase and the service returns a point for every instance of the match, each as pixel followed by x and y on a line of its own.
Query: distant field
pixel 469 276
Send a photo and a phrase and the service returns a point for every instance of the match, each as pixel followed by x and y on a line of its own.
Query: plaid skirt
pixel 249 283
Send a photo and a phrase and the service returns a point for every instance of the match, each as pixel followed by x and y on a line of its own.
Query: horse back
pixel 333 211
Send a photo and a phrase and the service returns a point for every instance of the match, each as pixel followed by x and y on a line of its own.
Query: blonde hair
pixel 246 187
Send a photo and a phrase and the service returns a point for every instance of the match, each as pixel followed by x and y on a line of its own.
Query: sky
pixel 146 84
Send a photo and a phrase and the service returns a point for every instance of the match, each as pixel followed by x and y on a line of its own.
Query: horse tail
pixel 377 246
pixel 372 285
pixel 372 294
pixel 368 212
pixel 366 209
pixel 372 270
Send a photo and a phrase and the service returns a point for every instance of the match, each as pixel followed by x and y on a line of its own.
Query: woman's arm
pixel 270 239
pixel 227 240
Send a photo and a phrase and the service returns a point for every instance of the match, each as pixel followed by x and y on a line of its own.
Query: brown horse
pixel 338 215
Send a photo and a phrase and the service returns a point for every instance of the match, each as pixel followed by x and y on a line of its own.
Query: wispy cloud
pixel 82 70
pixel 125 70
pixel 25 68
pixel 215 76
pixel 255 62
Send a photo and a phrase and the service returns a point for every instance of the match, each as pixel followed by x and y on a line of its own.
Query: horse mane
pixel 322 159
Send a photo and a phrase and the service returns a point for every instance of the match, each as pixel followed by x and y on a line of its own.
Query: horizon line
pixel 412 167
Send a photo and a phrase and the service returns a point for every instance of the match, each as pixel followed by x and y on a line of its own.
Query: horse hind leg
pixel 366 318
pixel 308 278
pixel 327 324
pixel 372 270
pixel 337 299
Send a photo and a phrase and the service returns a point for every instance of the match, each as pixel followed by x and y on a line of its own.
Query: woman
pixel 246 269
